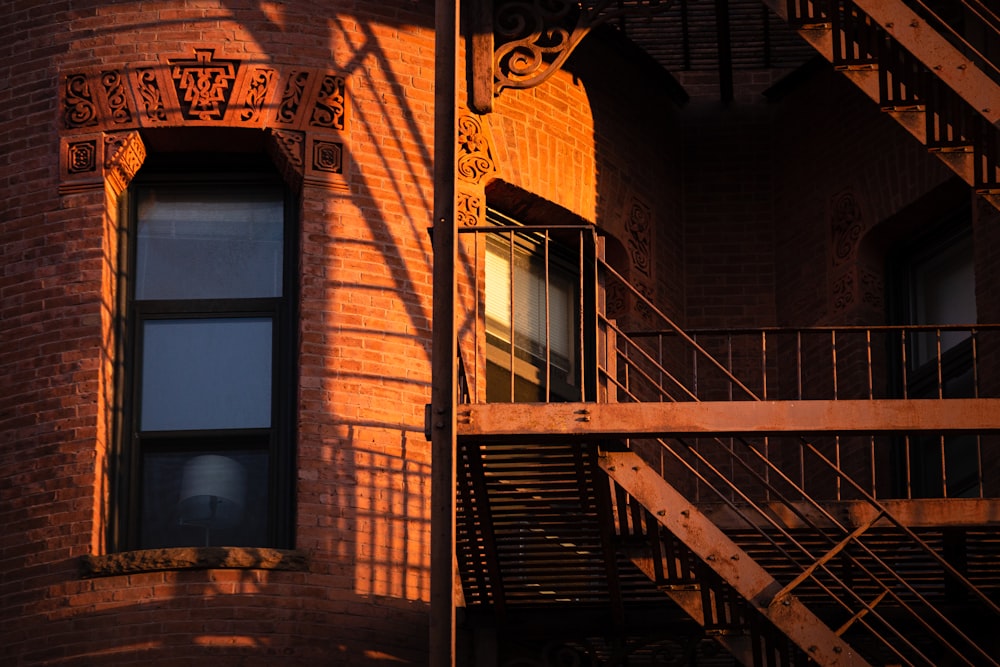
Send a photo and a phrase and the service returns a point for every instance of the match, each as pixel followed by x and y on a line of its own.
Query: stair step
pixel 930 48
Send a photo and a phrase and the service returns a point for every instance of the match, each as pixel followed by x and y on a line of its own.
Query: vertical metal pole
pixel 444 346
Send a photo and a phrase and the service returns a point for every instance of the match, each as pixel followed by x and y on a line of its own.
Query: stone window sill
pixel 193 558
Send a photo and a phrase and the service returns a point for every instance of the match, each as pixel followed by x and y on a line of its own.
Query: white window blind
pixel 515 291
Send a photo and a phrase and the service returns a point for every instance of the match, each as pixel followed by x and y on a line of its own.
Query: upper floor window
pixel 935 286
pixel 533 310
pixel 209 363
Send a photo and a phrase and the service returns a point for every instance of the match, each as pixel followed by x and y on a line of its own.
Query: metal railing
pixel 579 354
pixel 829 363
pixel 778 491
pixel 881 578
pixel 529 293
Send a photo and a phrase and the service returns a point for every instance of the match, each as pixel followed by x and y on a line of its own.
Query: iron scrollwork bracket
pixel 521 43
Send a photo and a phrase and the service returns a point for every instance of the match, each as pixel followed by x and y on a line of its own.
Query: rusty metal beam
pixel 933 50
pixel 922 513
pixel 635 420
pixel 444 341
pixel 728 560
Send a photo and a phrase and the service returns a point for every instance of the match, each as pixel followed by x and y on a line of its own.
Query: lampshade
pixel 213 492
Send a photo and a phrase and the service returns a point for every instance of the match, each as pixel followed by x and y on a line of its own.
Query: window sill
pixel 193 558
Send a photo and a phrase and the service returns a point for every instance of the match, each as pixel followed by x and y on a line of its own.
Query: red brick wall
pixel 835 143
pixel 362 487
pixel 600 139
pixel 363 463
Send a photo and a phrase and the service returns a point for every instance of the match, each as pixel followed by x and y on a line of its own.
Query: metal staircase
pixel 933 66
pixel 778 542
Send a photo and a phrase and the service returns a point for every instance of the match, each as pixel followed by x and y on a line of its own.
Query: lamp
pixel 213 493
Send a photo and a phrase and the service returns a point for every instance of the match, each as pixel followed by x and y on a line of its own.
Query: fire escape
pixel 783 495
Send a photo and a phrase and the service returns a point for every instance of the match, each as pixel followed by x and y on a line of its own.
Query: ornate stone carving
pixel 306 108
pixel 328 109
pixel 475 150
pixel 203 84
pixel 80 111
pixel 848 226
pixel 81 157
pixel 148 91
pixel 80 163
pixel 328 156
pixel 844 291
pixel 535 37
pixel 642 307
pixel 116 94
pixel 291 97
pixel 287 149
pixel 326 165
pixel 259 88
pixel 470 209
pixel 124 153
pixel 615 300
pixel 200 88
pixel 639 225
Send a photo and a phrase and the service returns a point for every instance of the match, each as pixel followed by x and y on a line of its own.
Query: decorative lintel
pixel 201 88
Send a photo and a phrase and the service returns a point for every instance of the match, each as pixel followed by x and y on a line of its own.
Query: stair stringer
pixel 690 601
pixel 728 560
pixel 934 52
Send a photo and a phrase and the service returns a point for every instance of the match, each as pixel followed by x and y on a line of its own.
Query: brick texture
pixel 719 216
pixel 363 463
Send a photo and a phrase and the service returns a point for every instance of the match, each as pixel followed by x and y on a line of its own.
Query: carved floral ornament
pixel 524 42
pixel 306 110
pixel 475 153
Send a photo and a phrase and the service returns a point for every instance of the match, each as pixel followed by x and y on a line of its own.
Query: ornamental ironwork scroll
pixel 527 41
pixel 306 110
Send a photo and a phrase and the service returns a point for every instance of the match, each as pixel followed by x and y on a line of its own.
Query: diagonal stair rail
pixel 905 597
pixel 752 582
pixel 939 76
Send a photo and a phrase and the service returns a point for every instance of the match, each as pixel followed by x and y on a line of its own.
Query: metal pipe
pixel 444 343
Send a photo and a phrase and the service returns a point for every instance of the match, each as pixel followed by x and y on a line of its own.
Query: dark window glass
pixel 209 497
pixel 220 244
pixel 207 434
pixel 206 373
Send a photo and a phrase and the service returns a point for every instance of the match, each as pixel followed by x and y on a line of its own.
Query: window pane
pixel 206 374
pixel 531 321
pixel 207 498
pixel 224 243
pixel 943 292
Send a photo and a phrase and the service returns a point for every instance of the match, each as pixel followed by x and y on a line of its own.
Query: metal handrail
pixel 856 360
pixel 972 16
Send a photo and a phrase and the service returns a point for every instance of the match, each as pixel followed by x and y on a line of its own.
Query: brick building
pixel 692 304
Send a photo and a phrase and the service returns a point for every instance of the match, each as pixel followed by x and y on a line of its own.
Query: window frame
pixel 278 438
